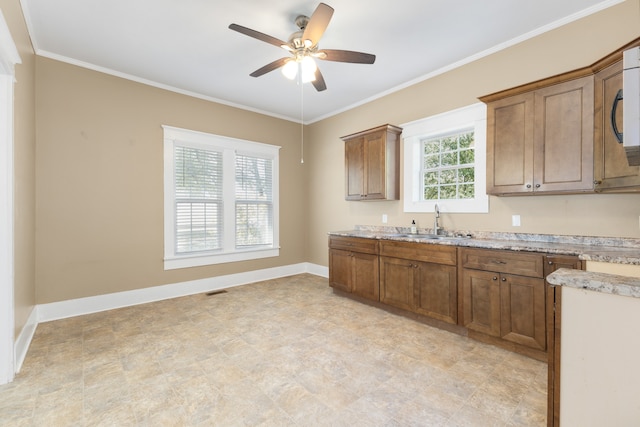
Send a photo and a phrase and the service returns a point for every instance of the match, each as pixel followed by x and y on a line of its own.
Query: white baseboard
pixel 23 341
pixel 318 270
pixel 80 306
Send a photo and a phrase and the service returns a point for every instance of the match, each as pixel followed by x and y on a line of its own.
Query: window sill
pixel 173 263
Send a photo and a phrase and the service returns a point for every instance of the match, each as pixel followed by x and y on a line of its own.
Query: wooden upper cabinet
pixel 510 144
pixel 555 135
pixel 541 141
pixel 372 165
pixel 563 137
pixel 611 168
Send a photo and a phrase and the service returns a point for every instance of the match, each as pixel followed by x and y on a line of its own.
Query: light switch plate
pixel 515 220
pixel 384 218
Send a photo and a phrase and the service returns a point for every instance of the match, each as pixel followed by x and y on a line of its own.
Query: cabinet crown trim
pixel 563 77
pixel 387 127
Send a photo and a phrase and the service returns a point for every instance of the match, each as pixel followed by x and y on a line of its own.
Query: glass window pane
pixel 432 162
pixel 450 159
pixel 448 176
pixel 431 193
pixel 431 178
pixel 466 175
pixel 466 140
pixel 448 192
pixel 432 146
pixel 254 224
pixel 467 157
pixel 466 191
pixel 449 144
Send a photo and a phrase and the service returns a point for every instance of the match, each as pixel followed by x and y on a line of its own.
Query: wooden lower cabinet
pixel 522 311
pixel 497 303
pixel 340 269
pixel 353 266
pixel 481 301
pixel 435 291
pixel 425 288
pixel 356 273
pixel 396 282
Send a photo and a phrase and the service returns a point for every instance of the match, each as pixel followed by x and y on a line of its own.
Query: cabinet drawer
pixel 438 254
pixel 521 264
pixel 355 244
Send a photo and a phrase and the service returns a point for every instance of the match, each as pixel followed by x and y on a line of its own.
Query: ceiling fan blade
pixel 318 23
pixel 269 67
pixel 257 35
pixel 319 83
pixel 346 56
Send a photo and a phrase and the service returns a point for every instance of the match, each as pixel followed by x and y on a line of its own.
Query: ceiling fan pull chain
pixel 301 119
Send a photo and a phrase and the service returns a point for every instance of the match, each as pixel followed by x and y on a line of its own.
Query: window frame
pixel 229 147
pixel 470 117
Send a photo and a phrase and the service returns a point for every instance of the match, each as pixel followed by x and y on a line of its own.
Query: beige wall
pixel 100 181
pixel 575 45
pixel 98 165
pixel 24 165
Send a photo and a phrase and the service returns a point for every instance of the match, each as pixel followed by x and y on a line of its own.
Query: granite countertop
pixel 598 282
pixel 603 249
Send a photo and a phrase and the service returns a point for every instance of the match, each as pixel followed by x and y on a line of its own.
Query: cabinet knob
pixel 537 185
pixel 597 182
pixel 528 185
pixel 495 277
pixel 504 279
pixel 550 262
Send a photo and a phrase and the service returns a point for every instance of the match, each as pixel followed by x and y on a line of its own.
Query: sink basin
pixel 417 236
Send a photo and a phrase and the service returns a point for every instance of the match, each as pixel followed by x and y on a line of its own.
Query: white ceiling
pixel 186 46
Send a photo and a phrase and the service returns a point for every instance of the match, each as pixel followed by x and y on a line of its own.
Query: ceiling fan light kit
pixel 305 65
pixel 303 45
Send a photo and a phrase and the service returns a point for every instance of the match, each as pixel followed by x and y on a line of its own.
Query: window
pixel 448 163
pixel 221 199
pixel 444 162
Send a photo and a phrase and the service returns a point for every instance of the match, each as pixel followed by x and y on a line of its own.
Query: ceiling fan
pixel 303 46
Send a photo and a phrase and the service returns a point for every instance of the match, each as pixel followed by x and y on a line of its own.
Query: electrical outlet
pixel 515 220
pixel 384 218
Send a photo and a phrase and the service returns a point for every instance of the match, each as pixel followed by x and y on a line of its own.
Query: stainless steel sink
pixel 417 236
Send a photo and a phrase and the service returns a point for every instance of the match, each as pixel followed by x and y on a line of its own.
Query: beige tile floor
pixel 284 352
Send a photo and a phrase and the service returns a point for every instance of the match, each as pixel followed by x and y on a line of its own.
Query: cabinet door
pixel 523 315
pixel 612 170
pixel 374 169
pixel 396 282
pixel 366 281
pixel 354 166
pixel 435 291
pixel 340 270
pixel 510 145
pixel 554 262
pixel 563 137
pixel 481 301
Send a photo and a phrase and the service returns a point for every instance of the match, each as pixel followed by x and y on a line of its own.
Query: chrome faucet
pixel 436 227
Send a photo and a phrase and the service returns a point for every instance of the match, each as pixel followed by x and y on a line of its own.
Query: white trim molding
pixel 88 305
pixel 23 341
pixel 8 58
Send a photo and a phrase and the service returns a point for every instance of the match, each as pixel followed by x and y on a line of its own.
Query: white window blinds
pixel 254 202
pixel 198 200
